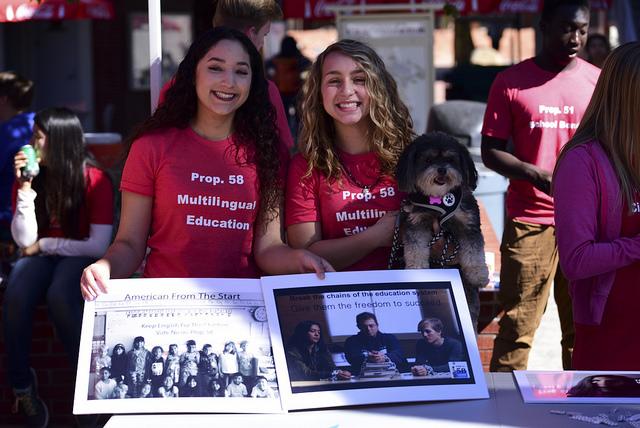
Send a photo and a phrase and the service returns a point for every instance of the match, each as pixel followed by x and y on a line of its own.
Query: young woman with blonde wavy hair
pixel 342 198
pixel 596 188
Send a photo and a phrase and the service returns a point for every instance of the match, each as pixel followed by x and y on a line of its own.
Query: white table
pixel 504 408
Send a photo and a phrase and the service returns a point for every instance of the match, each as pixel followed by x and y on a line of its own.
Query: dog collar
pixel 444 206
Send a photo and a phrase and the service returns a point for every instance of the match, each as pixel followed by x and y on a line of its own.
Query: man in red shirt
pixel 538 105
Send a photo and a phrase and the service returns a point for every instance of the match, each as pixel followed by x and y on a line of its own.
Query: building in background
pixel 98 66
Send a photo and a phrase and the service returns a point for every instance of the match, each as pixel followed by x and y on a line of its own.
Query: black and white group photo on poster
pixel 353 334
pixel 579 386
pixel 180 371
pixel 177 344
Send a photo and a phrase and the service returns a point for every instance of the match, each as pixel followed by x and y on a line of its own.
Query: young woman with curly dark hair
pixel 63 222
pixel 202 183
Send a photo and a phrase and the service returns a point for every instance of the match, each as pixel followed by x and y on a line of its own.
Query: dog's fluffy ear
pixel 406 170
pixel 468 167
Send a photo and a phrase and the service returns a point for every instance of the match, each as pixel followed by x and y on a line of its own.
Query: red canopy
pixel 24 10
pixel 316 9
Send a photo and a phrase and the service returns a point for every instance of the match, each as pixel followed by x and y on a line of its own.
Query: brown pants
pixel 529 258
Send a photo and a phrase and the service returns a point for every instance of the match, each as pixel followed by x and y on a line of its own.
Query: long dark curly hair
pixel 253 123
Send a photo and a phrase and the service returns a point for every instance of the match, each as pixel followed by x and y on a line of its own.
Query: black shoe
pixel 29 404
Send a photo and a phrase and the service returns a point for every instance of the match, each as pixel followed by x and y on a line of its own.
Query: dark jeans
pixel 57 279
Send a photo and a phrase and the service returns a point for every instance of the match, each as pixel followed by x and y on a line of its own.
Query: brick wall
pixel 491 240
pixel 55 376
pixel 488 324
pixel 489 306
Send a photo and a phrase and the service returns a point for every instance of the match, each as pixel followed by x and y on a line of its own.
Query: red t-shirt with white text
pixel 342 208
pixel 205 204
pixel 540 111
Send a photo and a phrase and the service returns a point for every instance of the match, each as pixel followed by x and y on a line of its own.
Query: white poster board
pixel 399 299
pixel 405 44
pixel 165 312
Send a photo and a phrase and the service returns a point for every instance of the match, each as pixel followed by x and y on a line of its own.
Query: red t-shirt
pixel 205 204
pixel 540 111
pixel 342 208
pixel 276 101
pixel 97 207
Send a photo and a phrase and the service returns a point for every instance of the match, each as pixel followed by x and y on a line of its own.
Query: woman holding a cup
pixel 62 223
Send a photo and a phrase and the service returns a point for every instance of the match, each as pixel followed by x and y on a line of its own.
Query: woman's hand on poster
pixel 383 228
pixel 309 262
pixel 94 279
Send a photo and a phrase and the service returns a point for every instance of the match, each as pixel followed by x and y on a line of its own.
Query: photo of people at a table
pixel 370 336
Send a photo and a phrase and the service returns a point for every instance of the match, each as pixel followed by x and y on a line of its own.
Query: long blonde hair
pixel 392 126
pixel 613 117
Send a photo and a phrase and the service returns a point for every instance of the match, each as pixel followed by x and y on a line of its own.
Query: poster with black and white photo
pixel 372 337
pixel 596 387
pixel 177 345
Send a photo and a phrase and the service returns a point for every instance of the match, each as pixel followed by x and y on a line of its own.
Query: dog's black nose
pixel 442 171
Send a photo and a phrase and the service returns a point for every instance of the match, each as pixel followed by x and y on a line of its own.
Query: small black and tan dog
pixel 438 176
